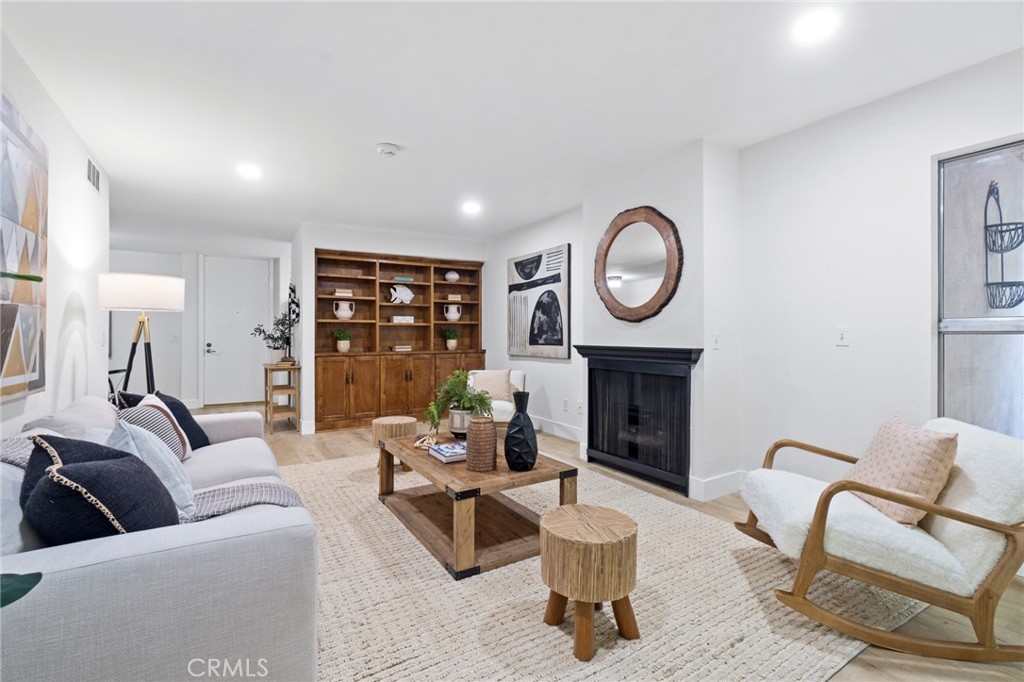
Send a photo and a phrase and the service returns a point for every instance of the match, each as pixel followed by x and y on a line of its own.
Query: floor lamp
pixel 144 293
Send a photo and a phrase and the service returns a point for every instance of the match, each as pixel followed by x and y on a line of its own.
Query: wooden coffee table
pixel 461 517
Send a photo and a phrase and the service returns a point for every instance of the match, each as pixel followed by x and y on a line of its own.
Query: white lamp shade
pixel 139 291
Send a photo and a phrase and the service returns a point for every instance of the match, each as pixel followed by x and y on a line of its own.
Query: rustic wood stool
pixel 385 428
pixel 588 554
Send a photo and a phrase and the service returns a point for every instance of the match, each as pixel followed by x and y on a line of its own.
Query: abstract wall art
pixel 24 185
pixel 538 303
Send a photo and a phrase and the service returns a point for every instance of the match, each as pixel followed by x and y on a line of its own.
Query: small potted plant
pixel 451 337
pixel 461 402
pixel 279 336
pixel 344 339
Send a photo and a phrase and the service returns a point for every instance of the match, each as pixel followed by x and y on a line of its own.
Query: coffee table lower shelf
pixel 505 531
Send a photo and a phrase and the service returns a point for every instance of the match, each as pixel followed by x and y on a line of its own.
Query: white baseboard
pixel 557 428
pixel 705 489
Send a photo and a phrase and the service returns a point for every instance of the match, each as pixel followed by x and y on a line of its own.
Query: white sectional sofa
pixel 234 593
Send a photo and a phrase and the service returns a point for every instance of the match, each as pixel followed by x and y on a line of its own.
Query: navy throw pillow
pixel 69 452
pixel 197 438
pixel 96 499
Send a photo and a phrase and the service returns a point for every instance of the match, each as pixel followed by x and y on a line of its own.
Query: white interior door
pixel 236 299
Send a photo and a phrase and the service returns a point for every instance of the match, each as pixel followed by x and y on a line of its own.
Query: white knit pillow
pixel 495 382
pixel 909 460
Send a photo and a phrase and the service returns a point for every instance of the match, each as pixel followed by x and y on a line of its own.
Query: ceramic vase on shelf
pixel 521 438
pixel 451 344
pixel 343 346
pixel 451 276
pixel 343 310
pixel 452 312
pixel 481 445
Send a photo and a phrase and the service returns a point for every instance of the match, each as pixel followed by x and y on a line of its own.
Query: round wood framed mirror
pixel 638 264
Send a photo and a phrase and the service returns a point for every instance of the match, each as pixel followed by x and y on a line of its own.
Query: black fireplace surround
pixel 638 419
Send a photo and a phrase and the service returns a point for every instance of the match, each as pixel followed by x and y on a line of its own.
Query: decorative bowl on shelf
pixel 451 276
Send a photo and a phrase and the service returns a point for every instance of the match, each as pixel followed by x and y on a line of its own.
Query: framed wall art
pixel 538 303
pixel 24 186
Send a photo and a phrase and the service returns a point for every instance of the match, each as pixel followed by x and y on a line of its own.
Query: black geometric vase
pixel 520 439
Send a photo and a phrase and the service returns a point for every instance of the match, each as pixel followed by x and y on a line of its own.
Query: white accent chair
pixel 961 556
pixel 503 409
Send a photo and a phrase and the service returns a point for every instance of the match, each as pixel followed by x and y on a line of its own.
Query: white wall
pixel 837 230
pixel 312 236
pixel 550 382
pixel 165 328
pixel 76 362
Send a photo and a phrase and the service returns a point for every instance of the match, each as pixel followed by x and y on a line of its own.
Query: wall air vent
pixel 92 173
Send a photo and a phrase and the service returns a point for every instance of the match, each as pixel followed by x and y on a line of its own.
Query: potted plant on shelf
pixel 461 402
pixel 279 336
pixel 344 339
pixel 451 337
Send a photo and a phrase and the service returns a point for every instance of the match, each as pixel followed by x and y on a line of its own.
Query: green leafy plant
pixel 454 393
pixel 342 335
pixel 450 333
pixel 279 336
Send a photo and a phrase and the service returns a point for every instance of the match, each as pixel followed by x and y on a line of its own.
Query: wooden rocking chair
pixel 958 559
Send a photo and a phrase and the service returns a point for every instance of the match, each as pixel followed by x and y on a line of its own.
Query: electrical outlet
pixel 843 337
pixel 565 404
pixel 715 341
pixel 579 407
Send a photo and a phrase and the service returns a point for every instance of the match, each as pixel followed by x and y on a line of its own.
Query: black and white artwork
pixel 538 304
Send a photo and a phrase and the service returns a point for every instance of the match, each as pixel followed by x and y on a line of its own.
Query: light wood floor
pixel 872 664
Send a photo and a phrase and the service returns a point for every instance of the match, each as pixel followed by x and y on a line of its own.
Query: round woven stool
pixel 386 428
pixel 588 554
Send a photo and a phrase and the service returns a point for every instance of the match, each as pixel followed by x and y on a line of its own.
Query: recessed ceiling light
pixel 471 207
pixel 249 171
pixel 815 26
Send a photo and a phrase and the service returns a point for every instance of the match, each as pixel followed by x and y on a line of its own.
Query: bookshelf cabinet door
pixel 364 387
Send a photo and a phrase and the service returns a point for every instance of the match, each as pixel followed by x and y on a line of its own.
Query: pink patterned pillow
pixel 495 382
pixel 909 460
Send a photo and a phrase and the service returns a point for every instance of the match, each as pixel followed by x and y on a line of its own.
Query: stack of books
pixel 449 452
pixel 342 292
pixel 403 278
pixel 403 319
pixel 454 297
pixel 402 348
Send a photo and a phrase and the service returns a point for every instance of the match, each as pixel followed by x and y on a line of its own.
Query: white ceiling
pixel 518 105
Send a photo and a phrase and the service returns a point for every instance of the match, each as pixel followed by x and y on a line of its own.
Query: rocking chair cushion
pixel 784 503
pixel 906 459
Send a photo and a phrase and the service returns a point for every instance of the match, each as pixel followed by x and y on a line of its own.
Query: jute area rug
pixel 703 601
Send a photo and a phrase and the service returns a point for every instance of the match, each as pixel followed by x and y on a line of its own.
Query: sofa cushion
pixel 988 481
pixel 70 452
pixel 193 431
pixel 905 459
pixel 86 412
pixel 229 461
pixel 92 499
pixel 784 503
pixel 154 416
pixel 158 457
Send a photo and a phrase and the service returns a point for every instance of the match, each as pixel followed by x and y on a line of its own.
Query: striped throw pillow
pixel 152 415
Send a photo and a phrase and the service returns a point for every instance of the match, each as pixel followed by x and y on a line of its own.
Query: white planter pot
pixel 343 346
pixel 458 422
pixel 450 344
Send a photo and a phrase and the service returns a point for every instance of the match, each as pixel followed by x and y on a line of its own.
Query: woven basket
pixel 481 445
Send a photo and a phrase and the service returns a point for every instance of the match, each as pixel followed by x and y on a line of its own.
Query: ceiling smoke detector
pixel 388 149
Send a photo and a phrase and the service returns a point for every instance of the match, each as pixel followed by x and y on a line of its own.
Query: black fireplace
pixel 639 416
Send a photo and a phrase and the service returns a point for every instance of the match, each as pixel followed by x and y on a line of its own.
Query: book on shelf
pixel 402 348
pixel 449 452
pixel 454 297
pixel 403 278
pixel 403 319
pixel 343 292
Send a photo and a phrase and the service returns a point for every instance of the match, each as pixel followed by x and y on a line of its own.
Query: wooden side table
pixel 386 428
pixel 588 554
pixel 274 410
